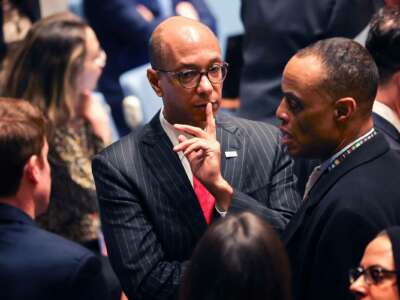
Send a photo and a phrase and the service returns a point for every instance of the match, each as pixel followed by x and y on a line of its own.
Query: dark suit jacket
pixel 275 30
pixel 388 130
pixel 150 215
pixel 345 210
pixel 38 265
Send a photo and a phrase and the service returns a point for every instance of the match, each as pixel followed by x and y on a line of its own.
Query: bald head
pixel 174 34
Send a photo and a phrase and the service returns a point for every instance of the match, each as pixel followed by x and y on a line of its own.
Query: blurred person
pixel 377 276
pixel 326 113
pixel 56 68
pixel 124 28
pixel 383 42
pixel 16 19
pixel 276 30
pixel 35 264
pixel 239 257
pixel 154 209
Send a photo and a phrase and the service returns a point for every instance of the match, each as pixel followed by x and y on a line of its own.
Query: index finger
pixel 210 120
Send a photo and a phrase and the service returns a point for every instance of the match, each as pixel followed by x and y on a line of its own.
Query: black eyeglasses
pixel 191 78
pixel 372 274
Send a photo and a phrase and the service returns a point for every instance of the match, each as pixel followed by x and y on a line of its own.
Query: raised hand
pixel 203 152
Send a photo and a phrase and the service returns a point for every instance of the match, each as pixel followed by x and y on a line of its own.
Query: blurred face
pixel 93 65
pixel 378 253
pixel 43 188
pixel 188 50
pixel 306 110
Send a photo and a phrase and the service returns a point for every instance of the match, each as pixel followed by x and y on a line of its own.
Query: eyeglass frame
pixel 368 277
pixel 177 75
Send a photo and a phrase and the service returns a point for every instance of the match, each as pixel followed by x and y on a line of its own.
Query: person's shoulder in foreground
pixel 35 264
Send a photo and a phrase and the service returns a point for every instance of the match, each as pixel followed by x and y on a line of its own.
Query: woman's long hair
pixel 44 68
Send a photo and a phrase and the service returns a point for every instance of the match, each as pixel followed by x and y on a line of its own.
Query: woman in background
pixel 378 276
pixel 240 257
pixel 56 67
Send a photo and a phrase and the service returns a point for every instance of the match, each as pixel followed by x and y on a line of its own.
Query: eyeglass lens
pixel 215 74
pixel 373 274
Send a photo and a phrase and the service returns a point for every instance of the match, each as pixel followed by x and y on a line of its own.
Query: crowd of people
pixel 196 204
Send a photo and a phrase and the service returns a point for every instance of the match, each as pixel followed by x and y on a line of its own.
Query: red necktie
pixel 206 200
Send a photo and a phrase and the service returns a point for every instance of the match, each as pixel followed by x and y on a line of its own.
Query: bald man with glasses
pixel 153 209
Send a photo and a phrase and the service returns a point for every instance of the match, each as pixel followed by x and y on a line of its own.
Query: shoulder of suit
pixel 124 144
pixel 54 241
pixel 248 127
pixel 55 249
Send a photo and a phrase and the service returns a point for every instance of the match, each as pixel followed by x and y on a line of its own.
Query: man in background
pixel 35 264
pixel 276 30
pixel 383 43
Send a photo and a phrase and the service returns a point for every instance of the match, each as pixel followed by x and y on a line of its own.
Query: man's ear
pixel 344 108
pixel 31 169
pixel 154 79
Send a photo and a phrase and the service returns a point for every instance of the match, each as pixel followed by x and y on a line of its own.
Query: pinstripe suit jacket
pixel 151 217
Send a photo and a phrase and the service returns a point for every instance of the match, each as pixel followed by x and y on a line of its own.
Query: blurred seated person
pixel 56 68
pixel 16 18
pixel 378 276
pixel 383 42
pixel 126 34
pixel 240 257
pixel 35 264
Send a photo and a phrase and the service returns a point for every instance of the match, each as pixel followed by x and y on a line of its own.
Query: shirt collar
pixel 387 113
pixel 170 130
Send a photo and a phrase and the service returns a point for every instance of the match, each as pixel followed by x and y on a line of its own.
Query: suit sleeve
pixel 276 199
pixel 284 200
pixel 136 255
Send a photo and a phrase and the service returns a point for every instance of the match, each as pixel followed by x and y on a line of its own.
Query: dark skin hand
pixel 203 152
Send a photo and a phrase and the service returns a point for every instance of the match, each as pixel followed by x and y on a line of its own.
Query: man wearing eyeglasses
pixel 153 208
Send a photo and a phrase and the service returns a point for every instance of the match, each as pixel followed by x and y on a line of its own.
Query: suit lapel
pixel 167 168
pixel 369 151
pixel 231 149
